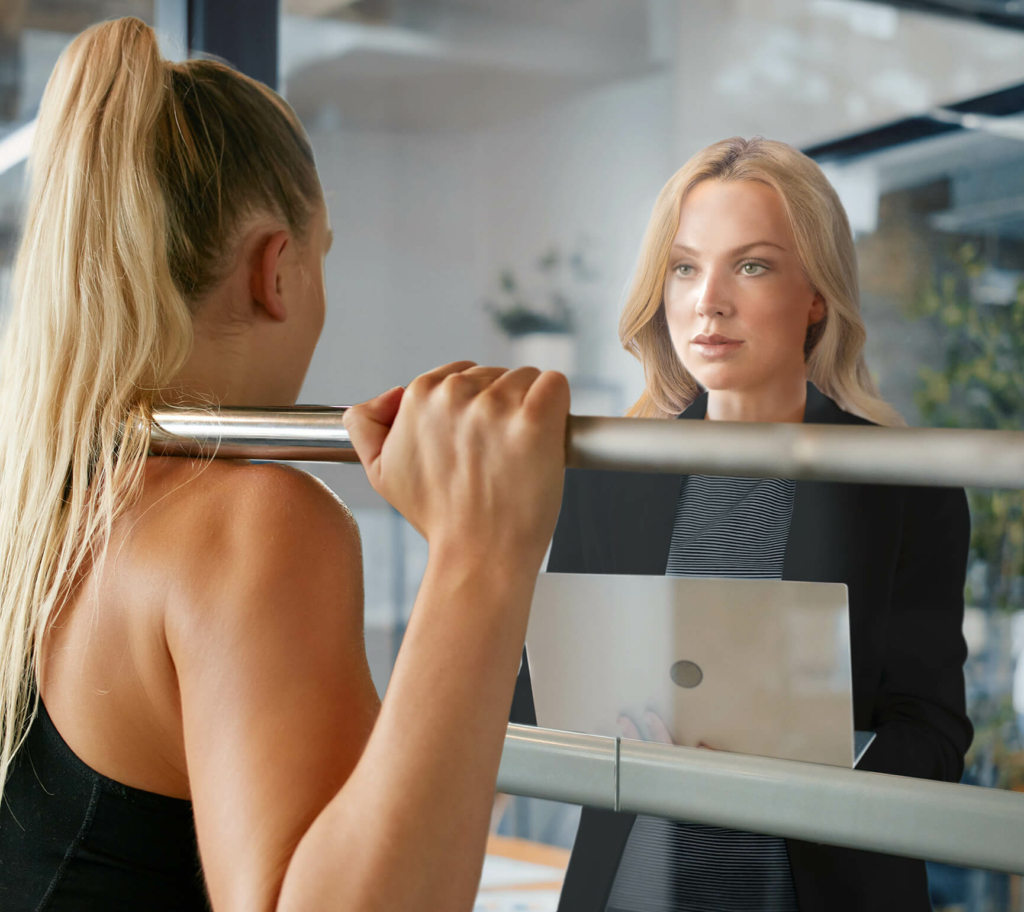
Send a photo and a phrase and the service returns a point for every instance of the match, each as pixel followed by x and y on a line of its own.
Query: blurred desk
pixel 521 876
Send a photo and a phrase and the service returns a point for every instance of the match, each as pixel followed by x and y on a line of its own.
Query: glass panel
pixel 490 168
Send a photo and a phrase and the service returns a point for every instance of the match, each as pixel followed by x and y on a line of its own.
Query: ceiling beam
pixel 316 8
pixel 989 12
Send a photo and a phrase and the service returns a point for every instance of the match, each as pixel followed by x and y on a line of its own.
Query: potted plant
pixel 542 335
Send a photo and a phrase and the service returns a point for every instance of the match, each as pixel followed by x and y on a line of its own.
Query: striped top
pixel 731 527
pixel 736 528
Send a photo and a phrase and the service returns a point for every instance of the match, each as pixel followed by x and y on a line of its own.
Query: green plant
pixel 996 741
pixel 980 385
pixel 516 317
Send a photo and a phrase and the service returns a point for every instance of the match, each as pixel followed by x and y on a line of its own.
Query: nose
pixel 715 298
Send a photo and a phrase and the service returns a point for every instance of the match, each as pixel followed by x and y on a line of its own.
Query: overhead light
pixel 316 8
pixel 14 147
pixel 1007 126
pixel 858 189
pixel 995 286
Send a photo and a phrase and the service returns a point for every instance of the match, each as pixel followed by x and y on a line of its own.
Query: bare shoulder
pixel 265 488
pixel 241 498
pixel 232 528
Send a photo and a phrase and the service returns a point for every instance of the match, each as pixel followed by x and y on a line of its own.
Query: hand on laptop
pixel 654 729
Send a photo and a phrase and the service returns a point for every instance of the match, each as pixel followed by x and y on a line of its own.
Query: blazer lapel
pixel 813 553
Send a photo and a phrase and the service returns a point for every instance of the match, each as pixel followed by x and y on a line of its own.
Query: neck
pixel 779 401
pixel 215 373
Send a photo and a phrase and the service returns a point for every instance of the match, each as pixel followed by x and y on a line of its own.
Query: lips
pixel 715 347
pixel 714 339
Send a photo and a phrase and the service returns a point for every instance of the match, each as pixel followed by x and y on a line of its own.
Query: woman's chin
pixel 719 377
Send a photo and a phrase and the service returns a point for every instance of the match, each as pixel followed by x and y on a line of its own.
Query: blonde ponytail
pixel 139 175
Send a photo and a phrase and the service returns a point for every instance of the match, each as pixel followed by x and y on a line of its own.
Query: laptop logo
pixel 686 674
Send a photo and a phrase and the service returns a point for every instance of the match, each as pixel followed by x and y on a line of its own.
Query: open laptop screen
pixel 749 666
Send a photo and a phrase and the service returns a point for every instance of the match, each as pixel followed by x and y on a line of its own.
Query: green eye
pixel 753 269
pixel 684 269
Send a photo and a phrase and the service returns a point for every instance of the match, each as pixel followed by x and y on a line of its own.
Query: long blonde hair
pixel 141 173
pixel 834 347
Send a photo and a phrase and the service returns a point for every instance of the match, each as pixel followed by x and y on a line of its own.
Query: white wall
pixel 405 272
pixel 586 170
pixel 423 223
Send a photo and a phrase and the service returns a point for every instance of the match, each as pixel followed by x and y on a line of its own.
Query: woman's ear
pixel 266 277
pixel 816 317
pixel 818 309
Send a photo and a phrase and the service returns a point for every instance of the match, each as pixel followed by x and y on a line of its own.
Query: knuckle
pixel 419 387
pixel 453 390
pixel 489 405
pixel 454 383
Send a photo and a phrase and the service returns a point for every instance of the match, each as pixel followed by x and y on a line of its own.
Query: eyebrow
pixel 735 252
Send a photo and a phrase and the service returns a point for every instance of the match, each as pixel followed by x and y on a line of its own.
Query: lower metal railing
pixel 937 821
pixel 957 824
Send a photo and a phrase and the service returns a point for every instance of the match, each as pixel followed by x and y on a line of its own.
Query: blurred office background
pixel 490 166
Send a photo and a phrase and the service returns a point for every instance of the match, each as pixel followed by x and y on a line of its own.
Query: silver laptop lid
pixel 749 666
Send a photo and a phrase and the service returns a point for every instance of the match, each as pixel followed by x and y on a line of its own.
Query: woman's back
pixel 105 760
pixel 109 678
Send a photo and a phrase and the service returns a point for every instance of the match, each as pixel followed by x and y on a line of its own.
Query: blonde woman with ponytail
pixel 745 308
pixel 186 715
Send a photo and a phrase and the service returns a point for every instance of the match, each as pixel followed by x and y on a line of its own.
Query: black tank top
pixel 72 840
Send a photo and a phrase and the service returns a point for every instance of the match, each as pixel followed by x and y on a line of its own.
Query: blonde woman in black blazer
pixel 900 550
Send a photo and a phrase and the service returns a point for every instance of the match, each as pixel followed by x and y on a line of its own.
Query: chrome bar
pixel 937 821
pixel 917 456
pixel 301 433
pixel 852 453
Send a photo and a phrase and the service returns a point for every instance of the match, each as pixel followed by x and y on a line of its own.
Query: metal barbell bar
pixel 849 453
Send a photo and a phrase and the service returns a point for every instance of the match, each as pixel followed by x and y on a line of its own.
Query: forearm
pixel 915 738
pixel 408 828
pixel 909 749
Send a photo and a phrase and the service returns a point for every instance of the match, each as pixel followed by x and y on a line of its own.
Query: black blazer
pixel 902 551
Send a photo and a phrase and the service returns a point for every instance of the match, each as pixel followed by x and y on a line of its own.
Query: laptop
pixel 748 666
